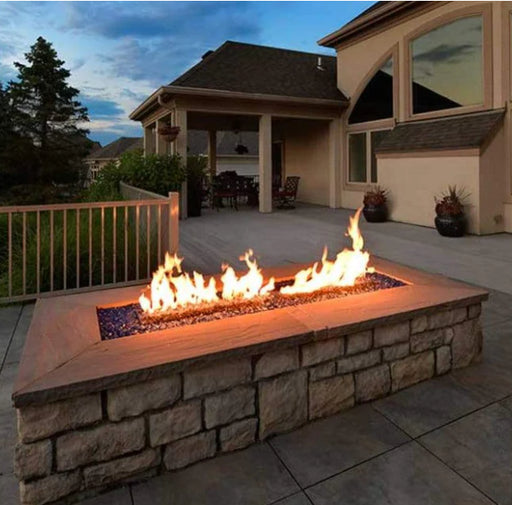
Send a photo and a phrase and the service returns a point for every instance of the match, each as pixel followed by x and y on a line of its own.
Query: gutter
pixel 218 93
pixel 145 104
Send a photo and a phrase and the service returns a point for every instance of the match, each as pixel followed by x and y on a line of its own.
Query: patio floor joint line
pixel 11 338
pixel 417 440
pixel 291 475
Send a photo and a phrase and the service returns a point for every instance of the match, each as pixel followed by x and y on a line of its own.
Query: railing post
pixel 174 216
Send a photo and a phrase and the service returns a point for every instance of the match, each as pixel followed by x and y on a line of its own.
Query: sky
pixel 120 52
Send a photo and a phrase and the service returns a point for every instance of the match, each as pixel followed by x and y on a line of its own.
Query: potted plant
pixel 196 172
pixel 169 132
pixel 450 220
pixel 375 208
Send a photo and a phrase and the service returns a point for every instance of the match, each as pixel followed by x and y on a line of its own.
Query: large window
pixel 361 155
pixel 447 67
pixel 376 100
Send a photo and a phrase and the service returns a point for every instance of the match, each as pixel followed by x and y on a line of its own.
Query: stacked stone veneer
pixel 81 445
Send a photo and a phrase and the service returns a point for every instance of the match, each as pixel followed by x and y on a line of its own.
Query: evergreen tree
pixel 46 111
pixel 16 153
pixel 5 117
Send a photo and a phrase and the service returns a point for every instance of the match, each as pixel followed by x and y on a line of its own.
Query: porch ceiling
pixel 233 122
pixel 221 122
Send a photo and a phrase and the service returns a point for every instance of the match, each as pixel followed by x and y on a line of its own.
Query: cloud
pixel 78 63
pixel 108 131
pixel 151 20
pixel 100 108
pixel 132 95
pixel 157 41
pixel 157 63
pixel 447 53
pixel 7 73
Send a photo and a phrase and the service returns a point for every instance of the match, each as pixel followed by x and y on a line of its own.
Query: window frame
pixel 393 56
pixel 370 126
pixel 368 140
pixel 485 11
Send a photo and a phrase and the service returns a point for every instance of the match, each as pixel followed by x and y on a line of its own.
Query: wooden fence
pixel 54 249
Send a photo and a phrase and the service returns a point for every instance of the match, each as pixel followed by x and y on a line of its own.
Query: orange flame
pixel 171 288
pixel 348 266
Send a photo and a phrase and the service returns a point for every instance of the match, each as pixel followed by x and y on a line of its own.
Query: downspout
pixel 162 103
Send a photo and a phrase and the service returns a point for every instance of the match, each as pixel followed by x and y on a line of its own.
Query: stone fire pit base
pixel 80 440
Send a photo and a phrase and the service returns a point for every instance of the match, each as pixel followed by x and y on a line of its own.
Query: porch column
pixel 149 145
pixel 180 146
pixel 160 143
pixel 265 162
pixel 335 163
pixel 212 152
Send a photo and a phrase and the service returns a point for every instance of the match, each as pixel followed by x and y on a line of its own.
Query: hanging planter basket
pixel 169 133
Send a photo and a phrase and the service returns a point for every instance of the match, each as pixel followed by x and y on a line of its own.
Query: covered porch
pixel 295 139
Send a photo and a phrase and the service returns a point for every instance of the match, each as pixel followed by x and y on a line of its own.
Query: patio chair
pixel 247 190
pixel 225 186
pixel 285 197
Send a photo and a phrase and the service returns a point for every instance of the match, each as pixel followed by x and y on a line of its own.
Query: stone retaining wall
pixel 80 446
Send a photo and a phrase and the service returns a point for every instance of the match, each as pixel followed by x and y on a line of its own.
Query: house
pixel 111 152
pixel 415 99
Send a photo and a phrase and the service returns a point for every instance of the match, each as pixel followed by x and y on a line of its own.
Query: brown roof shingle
pixel 115 149
pixel 249 68
pixel 460 132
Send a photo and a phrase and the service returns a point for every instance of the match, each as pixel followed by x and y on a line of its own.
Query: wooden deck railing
pixel 53 249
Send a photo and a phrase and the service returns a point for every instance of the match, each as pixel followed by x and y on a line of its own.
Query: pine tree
pixel 6 120
pixel 47 112
pixel 16 152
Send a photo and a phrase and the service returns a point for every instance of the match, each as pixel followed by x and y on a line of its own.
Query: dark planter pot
pixel 194 198
pixel 375 213
pixel 451 225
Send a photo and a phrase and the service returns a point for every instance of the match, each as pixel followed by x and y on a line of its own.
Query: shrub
pixel 154 172
pixel 106 186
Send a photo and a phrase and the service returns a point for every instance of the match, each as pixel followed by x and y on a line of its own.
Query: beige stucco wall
pixel 352 199
pixel 507 217
pixel 413 182
pixel 492 185
pixel 306 154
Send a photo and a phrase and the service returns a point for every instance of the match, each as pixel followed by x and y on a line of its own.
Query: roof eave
pixel 364 22
pixel 136 114
pixel 219 93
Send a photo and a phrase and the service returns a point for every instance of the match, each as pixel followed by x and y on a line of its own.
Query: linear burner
pixel 126 320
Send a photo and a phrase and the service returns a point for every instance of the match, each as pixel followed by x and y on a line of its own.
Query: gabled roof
pixel 461 132
pixel 249 68
pixel 115 149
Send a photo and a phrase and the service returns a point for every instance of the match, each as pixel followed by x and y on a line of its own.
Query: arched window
pixel 376 100
pixel 447 66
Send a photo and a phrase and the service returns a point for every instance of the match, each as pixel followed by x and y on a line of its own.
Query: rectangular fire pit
pixel 95 413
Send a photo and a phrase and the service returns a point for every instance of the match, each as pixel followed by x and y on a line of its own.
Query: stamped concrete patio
pixel 446 441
